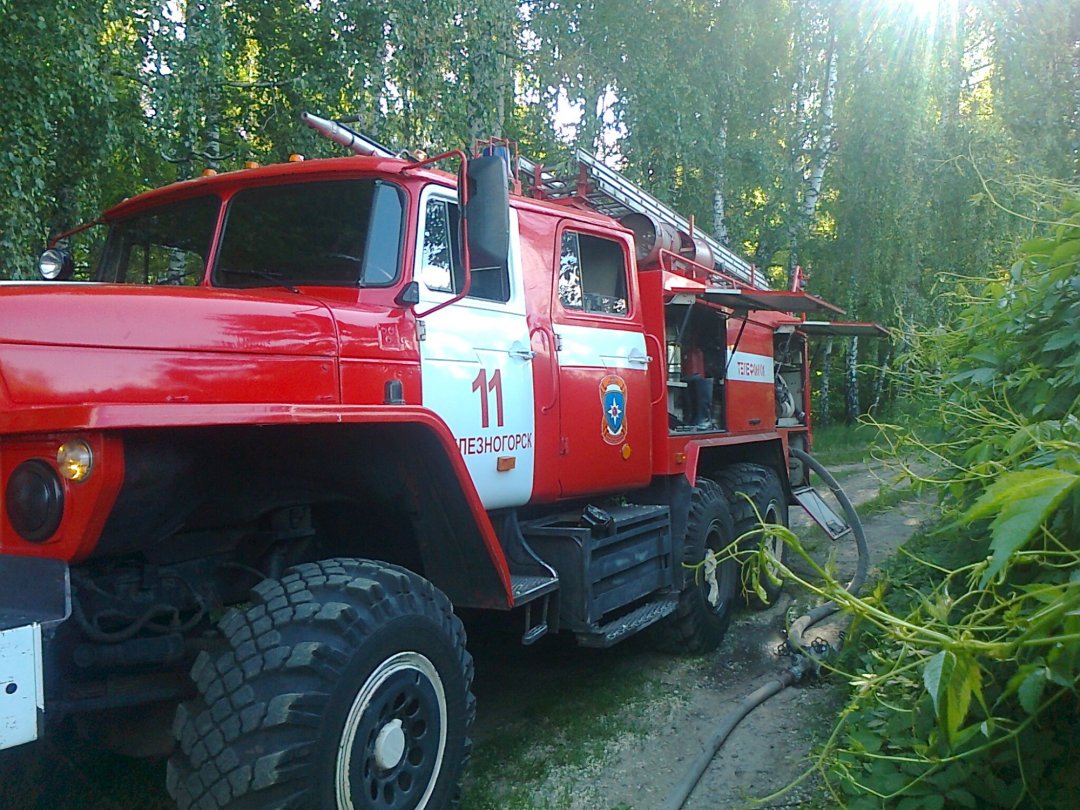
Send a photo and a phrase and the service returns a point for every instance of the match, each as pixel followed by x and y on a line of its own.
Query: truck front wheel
pixel 346 685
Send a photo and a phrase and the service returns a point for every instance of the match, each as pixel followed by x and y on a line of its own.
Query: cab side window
pixel 441 269
pixel 592 275
pixel 440 264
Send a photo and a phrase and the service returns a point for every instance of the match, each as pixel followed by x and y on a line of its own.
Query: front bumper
pixel 35 597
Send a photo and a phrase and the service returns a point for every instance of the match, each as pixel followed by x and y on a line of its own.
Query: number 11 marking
pixel 483 386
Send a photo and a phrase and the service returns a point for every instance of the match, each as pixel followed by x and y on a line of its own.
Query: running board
pixel 614 631
pixel 526 588
pixel 823 515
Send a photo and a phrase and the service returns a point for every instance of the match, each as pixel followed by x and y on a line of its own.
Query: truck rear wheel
pixel 346 685
pixel 762 486
pixel 706 601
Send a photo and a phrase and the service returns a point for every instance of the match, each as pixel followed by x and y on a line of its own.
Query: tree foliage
pixel 853 137
pixel 966 692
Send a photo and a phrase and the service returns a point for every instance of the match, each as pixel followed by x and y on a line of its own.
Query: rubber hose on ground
pixel 686 785
pixel 862 565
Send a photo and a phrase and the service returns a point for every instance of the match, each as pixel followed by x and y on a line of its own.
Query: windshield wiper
pixel 266 275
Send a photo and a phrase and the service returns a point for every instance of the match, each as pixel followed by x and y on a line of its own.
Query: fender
pixel 708 453
pixel 120 417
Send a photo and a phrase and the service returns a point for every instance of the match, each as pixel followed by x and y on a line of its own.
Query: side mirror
pixel 487 213
pixel 56 264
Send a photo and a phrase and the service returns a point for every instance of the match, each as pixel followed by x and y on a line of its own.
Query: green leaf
pixel 937 672
pixel 1030 691
pixel 1065 251
pixel 960 797
pixel 1022 501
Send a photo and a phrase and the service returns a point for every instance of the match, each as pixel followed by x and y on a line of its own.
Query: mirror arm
pixel 53 240
pixel 463 200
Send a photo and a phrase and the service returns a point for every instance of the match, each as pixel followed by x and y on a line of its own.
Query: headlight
pixel 35 500
pixel 75 460
pixel 56 265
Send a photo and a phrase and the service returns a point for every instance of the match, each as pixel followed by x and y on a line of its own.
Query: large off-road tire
pixel 346 685
pixel 707 599
pixel 762 485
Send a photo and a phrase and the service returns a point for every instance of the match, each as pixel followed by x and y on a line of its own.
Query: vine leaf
pixel 1021 501
pixel 952 680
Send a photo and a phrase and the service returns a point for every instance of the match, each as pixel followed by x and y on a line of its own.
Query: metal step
pixel 614 631
pixel 823 515
pixel 527 588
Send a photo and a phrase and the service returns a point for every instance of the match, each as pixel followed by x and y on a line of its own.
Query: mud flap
pixel 35 596
pixel 824 516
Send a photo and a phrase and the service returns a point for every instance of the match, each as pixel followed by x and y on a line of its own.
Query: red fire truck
pixel 302 412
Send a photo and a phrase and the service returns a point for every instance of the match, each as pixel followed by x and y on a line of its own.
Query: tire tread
pixel 267 691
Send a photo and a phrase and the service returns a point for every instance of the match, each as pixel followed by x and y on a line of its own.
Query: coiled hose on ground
pixel 799 627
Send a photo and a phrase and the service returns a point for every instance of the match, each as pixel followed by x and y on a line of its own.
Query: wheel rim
pixel 392 746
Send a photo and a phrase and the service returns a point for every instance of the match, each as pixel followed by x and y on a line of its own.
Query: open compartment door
pixel 770 300
pixel 842 329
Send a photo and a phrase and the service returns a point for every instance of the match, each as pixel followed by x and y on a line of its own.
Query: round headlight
pixel 75 460
pixel 56 265
pixel 35 500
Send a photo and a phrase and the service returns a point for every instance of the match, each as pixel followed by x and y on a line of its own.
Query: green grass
pixel 843 444
pixel 565 727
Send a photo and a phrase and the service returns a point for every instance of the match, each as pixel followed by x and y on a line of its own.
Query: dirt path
pixel 639 767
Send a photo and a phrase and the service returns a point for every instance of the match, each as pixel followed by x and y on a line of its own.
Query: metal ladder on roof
pixel 610 193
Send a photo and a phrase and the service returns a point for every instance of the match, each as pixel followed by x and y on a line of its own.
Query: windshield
pixel 167 245
pixel 342 232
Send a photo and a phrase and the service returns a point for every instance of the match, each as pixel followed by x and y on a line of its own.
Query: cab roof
pixel 227 182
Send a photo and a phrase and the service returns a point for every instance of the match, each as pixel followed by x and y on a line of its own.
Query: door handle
pixel 520 352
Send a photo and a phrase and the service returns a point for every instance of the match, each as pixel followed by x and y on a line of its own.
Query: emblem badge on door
pixel 613 401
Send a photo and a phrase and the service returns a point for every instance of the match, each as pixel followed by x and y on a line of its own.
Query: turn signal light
pixel 75 460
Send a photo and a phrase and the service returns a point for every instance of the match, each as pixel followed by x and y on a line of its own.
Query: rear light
pixel 35 500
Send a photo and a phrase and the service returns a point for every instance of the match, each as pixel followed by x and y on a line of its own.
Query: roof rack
pixel 606 190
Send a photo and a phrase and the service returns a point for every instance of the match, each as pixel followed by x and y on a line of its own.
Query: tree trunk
pixel 822 418
pixel 852 380
pixel 719 223
pixel 821 151
pixel 879 382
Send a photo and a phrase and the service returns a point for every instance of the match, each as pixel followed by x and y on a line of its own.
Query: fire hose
pixel 804 660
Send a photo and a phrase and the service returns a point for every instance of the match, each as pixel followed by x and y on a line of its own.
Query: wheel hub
pixel 390 745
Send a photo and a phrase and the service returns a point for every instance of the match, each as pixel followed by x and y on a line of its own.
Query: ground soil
pixel 636 767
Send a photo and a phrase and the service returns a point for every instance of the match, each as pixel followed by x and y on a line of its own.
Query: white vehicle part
pixel 595 347
pixel 749 367
pixel 476 363
pixel 22 695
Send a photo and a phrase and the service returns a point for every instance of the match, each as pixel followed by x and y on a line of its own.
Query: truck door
pixel 604 392
pixel 475 356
